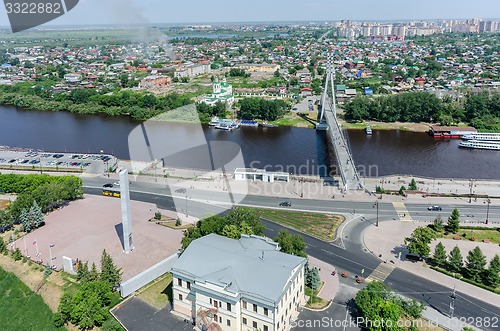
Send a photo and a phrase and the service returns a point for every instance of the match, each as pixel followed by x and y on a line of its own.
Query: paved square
pixel 86 227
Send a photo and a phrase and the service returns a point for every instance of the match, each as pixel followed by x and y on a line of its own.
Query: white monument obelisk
pixel 126 218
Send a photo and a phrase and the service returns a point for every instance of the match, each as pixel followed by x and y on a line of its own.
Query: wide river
pixel 294 150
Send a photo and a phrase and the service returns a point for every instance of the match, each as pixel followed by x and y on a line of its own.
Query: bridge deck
pixel 345 164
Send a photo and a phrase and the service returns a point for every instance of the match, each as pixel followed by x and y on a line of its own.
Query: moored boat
pixel 214 121
pixel 478 144
pixel 368 130
pixel 482 136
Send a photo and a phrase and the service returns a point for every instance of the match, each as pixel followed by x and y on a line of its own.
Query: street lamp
pixel 471 187
pixel 453 296
pixel 488 201
pixel 186 205
pixel 376 205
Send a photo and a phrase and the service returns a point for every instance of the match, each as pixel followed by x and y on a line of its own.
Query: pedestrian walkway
pixel 403 213
pixel 381 273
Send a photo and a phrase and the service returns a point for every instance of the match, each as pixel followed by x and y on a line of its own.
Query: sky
pixel 197 11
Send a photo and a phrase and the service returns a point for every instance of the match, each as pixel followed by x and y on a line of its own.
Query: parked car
pixel 285 204
pixel 434 208
pixel 180 190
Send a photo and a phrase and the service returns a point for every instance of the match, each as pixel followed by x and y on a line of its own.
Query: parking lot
pixel 44 161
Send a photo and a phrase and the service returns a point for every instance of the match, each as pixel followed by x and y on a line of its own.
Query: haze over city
pixel 158 11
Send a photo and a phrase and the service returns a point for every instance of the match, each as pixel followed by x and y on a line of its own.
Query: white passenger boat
pixel 214 121
pixel 478 144
pixel 482 136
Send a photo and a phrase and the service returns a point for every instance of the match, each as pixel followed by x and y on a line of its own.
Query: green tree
pixel 93 273
pixel 291 243
pixel 25 220
pixel 312 278
pixel 402 190
pixel 475 264
pixel 110 273
pixel 438 225
pixel 277 73
pixel 64 310
pixel 439 255
pixel 83 273
pixel 89 305
pixel 453 221
pixel 492 274
pixel 413 185
pixel 455 260
pixel 418 242
pixel 36 215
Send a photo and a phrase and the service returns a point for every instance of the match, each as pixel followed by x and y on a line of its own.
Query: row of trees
pixel 237 222
pixel 206 112
pixel 42 192
pixel 138 105
pixel 474 267
pixel 251 108
pixel 481 110
pixel 88 306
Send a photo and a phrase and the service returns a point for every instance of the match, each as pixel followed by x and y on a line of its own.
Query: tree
pixel 437 224
pixel 64 310
pixel 439 255
pixel 110 273
pixel 413 185
pixel 291 243
pixel 157 216
pixel 402 190
pixel 453 221
pixel 82 273
pixel 455 261
pixel 312 278
pixel 93 274
pixel 277 73
pixel 89 304
pixel 36 215
pixel 25 221
pixel 17 255
pixel 475 265
pixel 492 274
pixel 418 242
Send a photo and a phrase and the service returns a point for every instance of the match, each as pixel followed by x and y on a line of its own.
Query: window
pixel 188 285
pixel 244 321
pixel 266 328
pixel 244 305
pixel 278 326
pixel 216 318
pixel 228 323
pixel 179 281
pixel 266 311
pixel 210 300
pixel 228 306
pixel 255 324
pixel 254 307
pixel 180 297
pixel 216 304
pixel 220 319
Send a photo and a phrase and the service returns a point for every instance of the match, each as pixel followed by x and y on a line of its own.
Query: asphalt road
pixel 352 257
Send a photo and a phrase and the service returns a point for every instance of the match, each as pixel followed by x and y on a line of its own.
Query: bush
pixel 17 255
pixel 111 325
pixel 178 222
pixel 158 216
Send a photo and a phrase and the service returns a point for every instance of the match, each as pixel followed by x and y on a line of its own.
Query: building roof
pixel 252 265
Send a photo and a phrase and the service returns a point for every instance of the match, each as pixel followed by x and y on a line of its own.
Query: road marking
pixel 380 273
pixel 310 245
pixel 403 213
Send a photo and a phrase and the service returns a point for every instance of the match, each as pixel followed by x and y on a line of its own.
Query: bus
pixel 111 192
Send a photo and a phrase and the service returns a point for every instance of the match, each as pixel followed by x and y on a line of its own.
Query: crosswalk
pixel 381 273
pixel 403 213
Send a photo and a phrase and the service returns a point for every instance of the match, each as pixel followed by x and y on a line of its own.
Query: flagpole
pixel 37 252
pixel 25 248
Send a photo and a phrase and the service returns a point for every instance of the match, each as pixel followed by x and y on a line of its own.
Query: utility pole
pixel 376 205
pixel 488 201
pixel 453 297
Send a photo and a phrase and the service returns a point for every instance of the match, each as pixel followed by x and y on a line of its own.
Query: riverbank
pixel 403 126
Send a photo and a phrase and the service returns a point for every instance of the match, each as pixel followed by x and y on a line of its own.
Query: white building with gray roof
pixel 225 284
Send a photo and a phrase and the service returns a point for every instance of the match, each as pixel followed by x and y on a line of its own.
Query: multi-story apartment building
pixel 225 284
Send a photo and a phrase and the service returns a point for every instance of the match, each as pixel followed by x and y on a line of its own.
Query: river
pixel 290 149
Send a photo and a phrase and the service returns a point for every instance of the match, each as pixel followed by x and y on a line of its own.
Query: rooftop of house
pixel 252 265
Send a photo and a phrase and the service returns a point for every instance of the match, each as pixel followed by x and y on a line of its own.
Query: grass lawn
pixel 294 120
pixel 20 308
pixel 314 301
pixel 479 235
pixel 158 292
pixel 322 226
